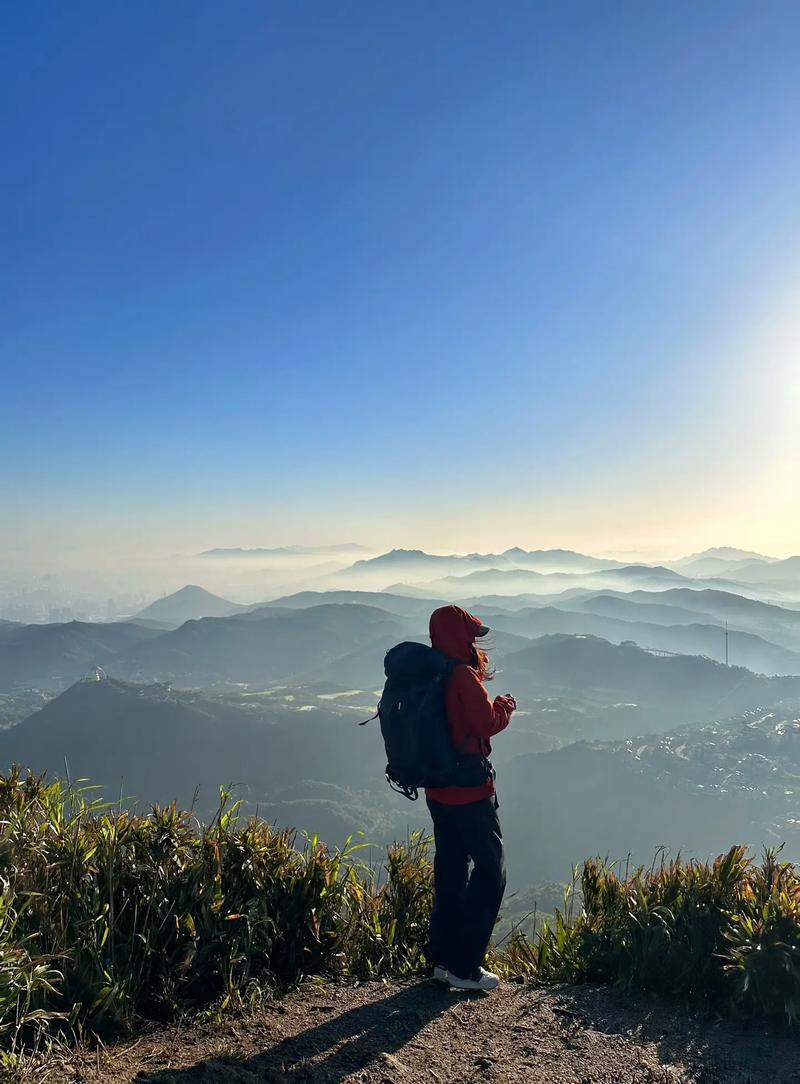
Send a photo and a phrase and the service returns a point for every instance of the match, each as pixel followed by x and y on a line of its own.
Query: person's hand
pixel 509 701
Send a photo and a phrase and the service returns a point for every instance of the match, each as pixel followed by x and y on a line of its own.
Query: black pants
pixel 467 903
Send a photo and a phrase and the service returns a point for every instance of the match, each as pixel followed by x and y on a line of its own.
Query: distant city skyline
pixel 446 277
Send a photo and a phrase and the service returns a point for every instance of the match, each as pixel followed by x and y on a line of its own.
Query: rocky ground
pixel 417 1033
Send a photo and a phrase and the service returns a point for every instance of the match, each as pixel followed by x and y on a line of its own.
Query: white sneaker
pixel 490 977
pixel 480 979
pixel 441 974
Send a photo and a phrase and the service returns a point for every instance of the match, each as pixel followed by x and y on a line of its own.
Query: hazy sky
pixel 457 275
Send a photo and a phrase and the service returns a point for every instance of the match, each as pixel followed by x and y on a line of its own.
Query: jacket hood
pixel 453 632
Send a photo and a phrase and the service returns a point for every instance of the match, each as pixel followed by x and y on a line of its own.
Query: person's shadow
pixel 342 1044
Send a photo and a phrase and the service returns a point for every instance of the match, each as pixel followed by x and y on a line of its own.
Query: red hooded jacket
pixel 473 716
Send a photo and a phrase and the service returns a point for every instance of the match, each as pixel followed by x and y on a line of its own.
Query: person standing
pixel 466 827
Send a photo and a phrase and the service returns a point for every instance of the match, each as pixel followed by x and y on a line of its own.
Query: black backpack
pixel 419 750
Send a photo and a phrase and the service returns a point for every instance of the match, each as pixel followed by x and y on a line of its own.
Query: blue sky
pixel 458 275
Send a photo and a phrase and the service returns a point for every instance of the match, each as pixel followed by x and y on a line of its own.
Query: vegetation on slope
pixel 107 917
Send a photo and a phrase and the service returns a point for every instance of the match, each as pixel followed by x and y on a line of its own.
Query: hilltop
pixel 411 1032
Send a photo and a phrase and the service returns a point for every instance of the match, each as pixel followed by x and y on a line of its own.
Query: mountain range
pixel 413 564
pixel 517 580
pixel 687 638
pixel 416 572
pixel 343 548
pixel 718 561
pixel 631 730
pixel 264 647
pixel 298 755
pixel 272 642
pixel 776 574
pixel 53 656
pixel 691 791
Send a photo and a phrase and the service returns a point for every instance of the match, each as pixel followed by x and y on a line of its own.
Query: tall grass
pixel 107 916
pixel 725 934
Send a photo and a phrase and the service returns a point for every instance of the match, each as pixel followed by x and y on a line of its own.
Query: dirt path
pixel 416 1033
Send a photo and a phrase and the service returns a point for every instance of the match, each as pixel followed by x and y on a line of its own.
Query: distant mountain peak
pixel 724 553
pixel 647 570
pixel 188 604
pixel 518 551
pixel 284 551
pixel 396 557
